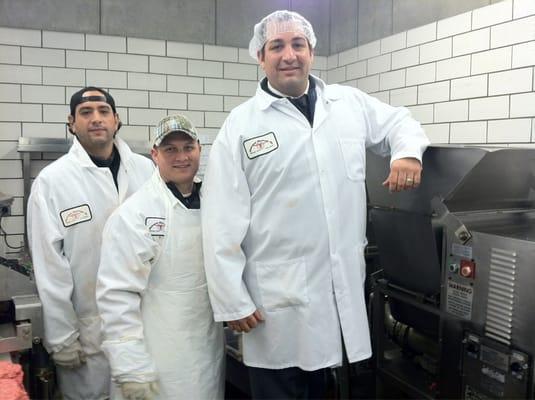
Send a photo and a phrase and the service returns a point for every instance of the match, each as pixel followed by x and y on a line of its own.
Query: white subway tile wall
pixel 39 71
pixel 434 92
pixel 492 15
pixel 368 50
pixel 471 42
pixel 404 97
pixel 454 25
pixel 10 54
pixel 379 64
pixel 395 42
pixel 467 79
pixel 422 34
pixel 9 92
pixel 523 8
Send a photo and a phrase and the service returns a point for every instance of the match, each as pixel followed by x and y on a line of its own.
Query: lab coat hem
pixel 359 357
pixel 316 367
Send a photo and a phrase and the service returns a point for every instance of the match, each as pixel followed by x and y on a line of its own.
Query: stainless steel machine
pixel 452 306
pixel 21 322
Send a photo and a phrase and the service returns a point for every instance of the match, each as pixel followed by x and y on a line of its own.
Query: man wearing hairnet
pixel 159 331
pixel 68 206
pixel 284 211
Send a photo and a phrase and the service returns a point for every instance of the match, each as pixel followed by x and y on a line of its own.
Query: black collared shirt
pixel 306 103
pixel 193 201
pixel 112 163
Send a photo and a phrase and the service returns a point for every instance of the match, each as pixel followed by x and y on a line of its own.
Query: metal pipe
pixel 407 337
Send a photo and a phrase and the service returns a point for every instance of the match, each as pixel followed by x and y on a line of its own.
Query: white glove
pixel 71 356
pixel 139 391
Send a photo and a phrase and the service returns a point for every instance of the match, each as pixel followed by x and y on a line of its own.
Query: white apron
pixel 186 344
pixel 90 381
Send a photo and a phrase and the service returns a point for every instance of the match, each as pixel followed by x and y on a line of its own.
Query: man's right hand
pixel 71 356
pixel 246 324
pixel 139 391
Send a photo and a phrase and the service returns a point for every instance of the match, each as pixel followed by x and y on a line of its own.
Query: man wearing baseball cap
pixel 159 333
pixel 68 206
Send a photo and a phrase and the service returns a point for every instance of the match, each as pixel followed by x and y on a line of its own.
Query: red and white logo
pixel 156 226
pixel 75 215
pixel 260 145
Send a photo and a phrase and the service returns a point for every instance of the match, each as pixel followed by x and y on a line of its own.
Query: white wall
pixel 39 71
pixel 467 79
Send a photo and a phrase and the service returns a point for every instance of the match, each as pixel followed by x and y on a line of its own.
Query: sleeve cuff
pixel 233 316
pixel 129 361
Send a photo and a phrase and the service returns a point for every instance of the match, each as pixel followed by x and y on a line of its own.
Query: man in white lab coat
pixel 284 211
pixel 159 331
pixel 68 206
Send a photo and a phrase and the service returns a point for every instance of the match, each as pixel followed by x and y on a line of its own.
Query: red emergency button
pixel 468 269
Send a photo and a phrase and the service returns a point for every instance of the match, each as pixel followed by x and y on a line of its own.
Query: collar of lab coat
pixel 328 92
pixel 162 186
pixel 81 154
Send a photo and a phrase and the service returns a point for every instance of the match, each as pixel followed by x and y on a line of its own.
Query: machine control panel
pixel 491 370
pixel 460 277
pixel 468 269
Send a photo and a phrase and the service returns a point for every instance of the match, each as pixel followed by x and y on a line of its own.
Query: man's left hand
pixel 405 173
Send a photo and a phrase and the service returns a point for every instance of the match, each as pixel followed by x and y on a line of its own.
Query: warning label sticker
pixel 459 299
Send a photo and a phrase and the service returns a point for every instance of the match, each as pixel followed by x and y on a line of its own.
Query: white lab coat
pixel 157 320
pixel 68 206
pixel 284 219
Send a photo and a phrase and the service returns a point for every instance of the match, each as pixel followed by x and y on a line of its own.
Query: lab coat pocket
pixel 282 284
pixel 354 158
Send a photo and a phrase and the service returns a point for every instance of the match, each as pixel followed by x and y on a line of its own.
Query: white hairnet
pixel 278 22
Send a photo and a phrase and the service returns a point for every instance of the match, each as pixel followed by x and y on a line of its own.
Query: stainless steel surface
pixel 494 371
pixel 466 178
pixel 234 345
pixel 503 290
pixel 481 203
pixel 28 308
pixel 61 146
pixel 444 168
pixel 13 283
pixel 15 337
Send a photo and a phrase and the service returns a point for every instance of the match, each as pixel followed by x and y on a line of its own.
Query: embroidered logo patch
pixel 75 215
pixel 156 225
pixel 260 145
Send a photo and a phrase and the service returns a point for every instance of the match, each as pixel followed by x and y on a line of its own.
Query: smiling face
pixel 177 158
pixel 94 125
pixel 286 59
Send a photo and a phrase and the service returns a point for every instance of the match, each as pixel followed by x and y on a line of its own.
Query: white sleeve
pixel 52 271
pixel 392 130
pixel 124 270
pixel 225 206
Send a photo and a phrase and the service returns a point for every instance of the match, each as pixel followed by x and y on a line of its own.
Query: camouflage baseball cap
pixel 174 123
